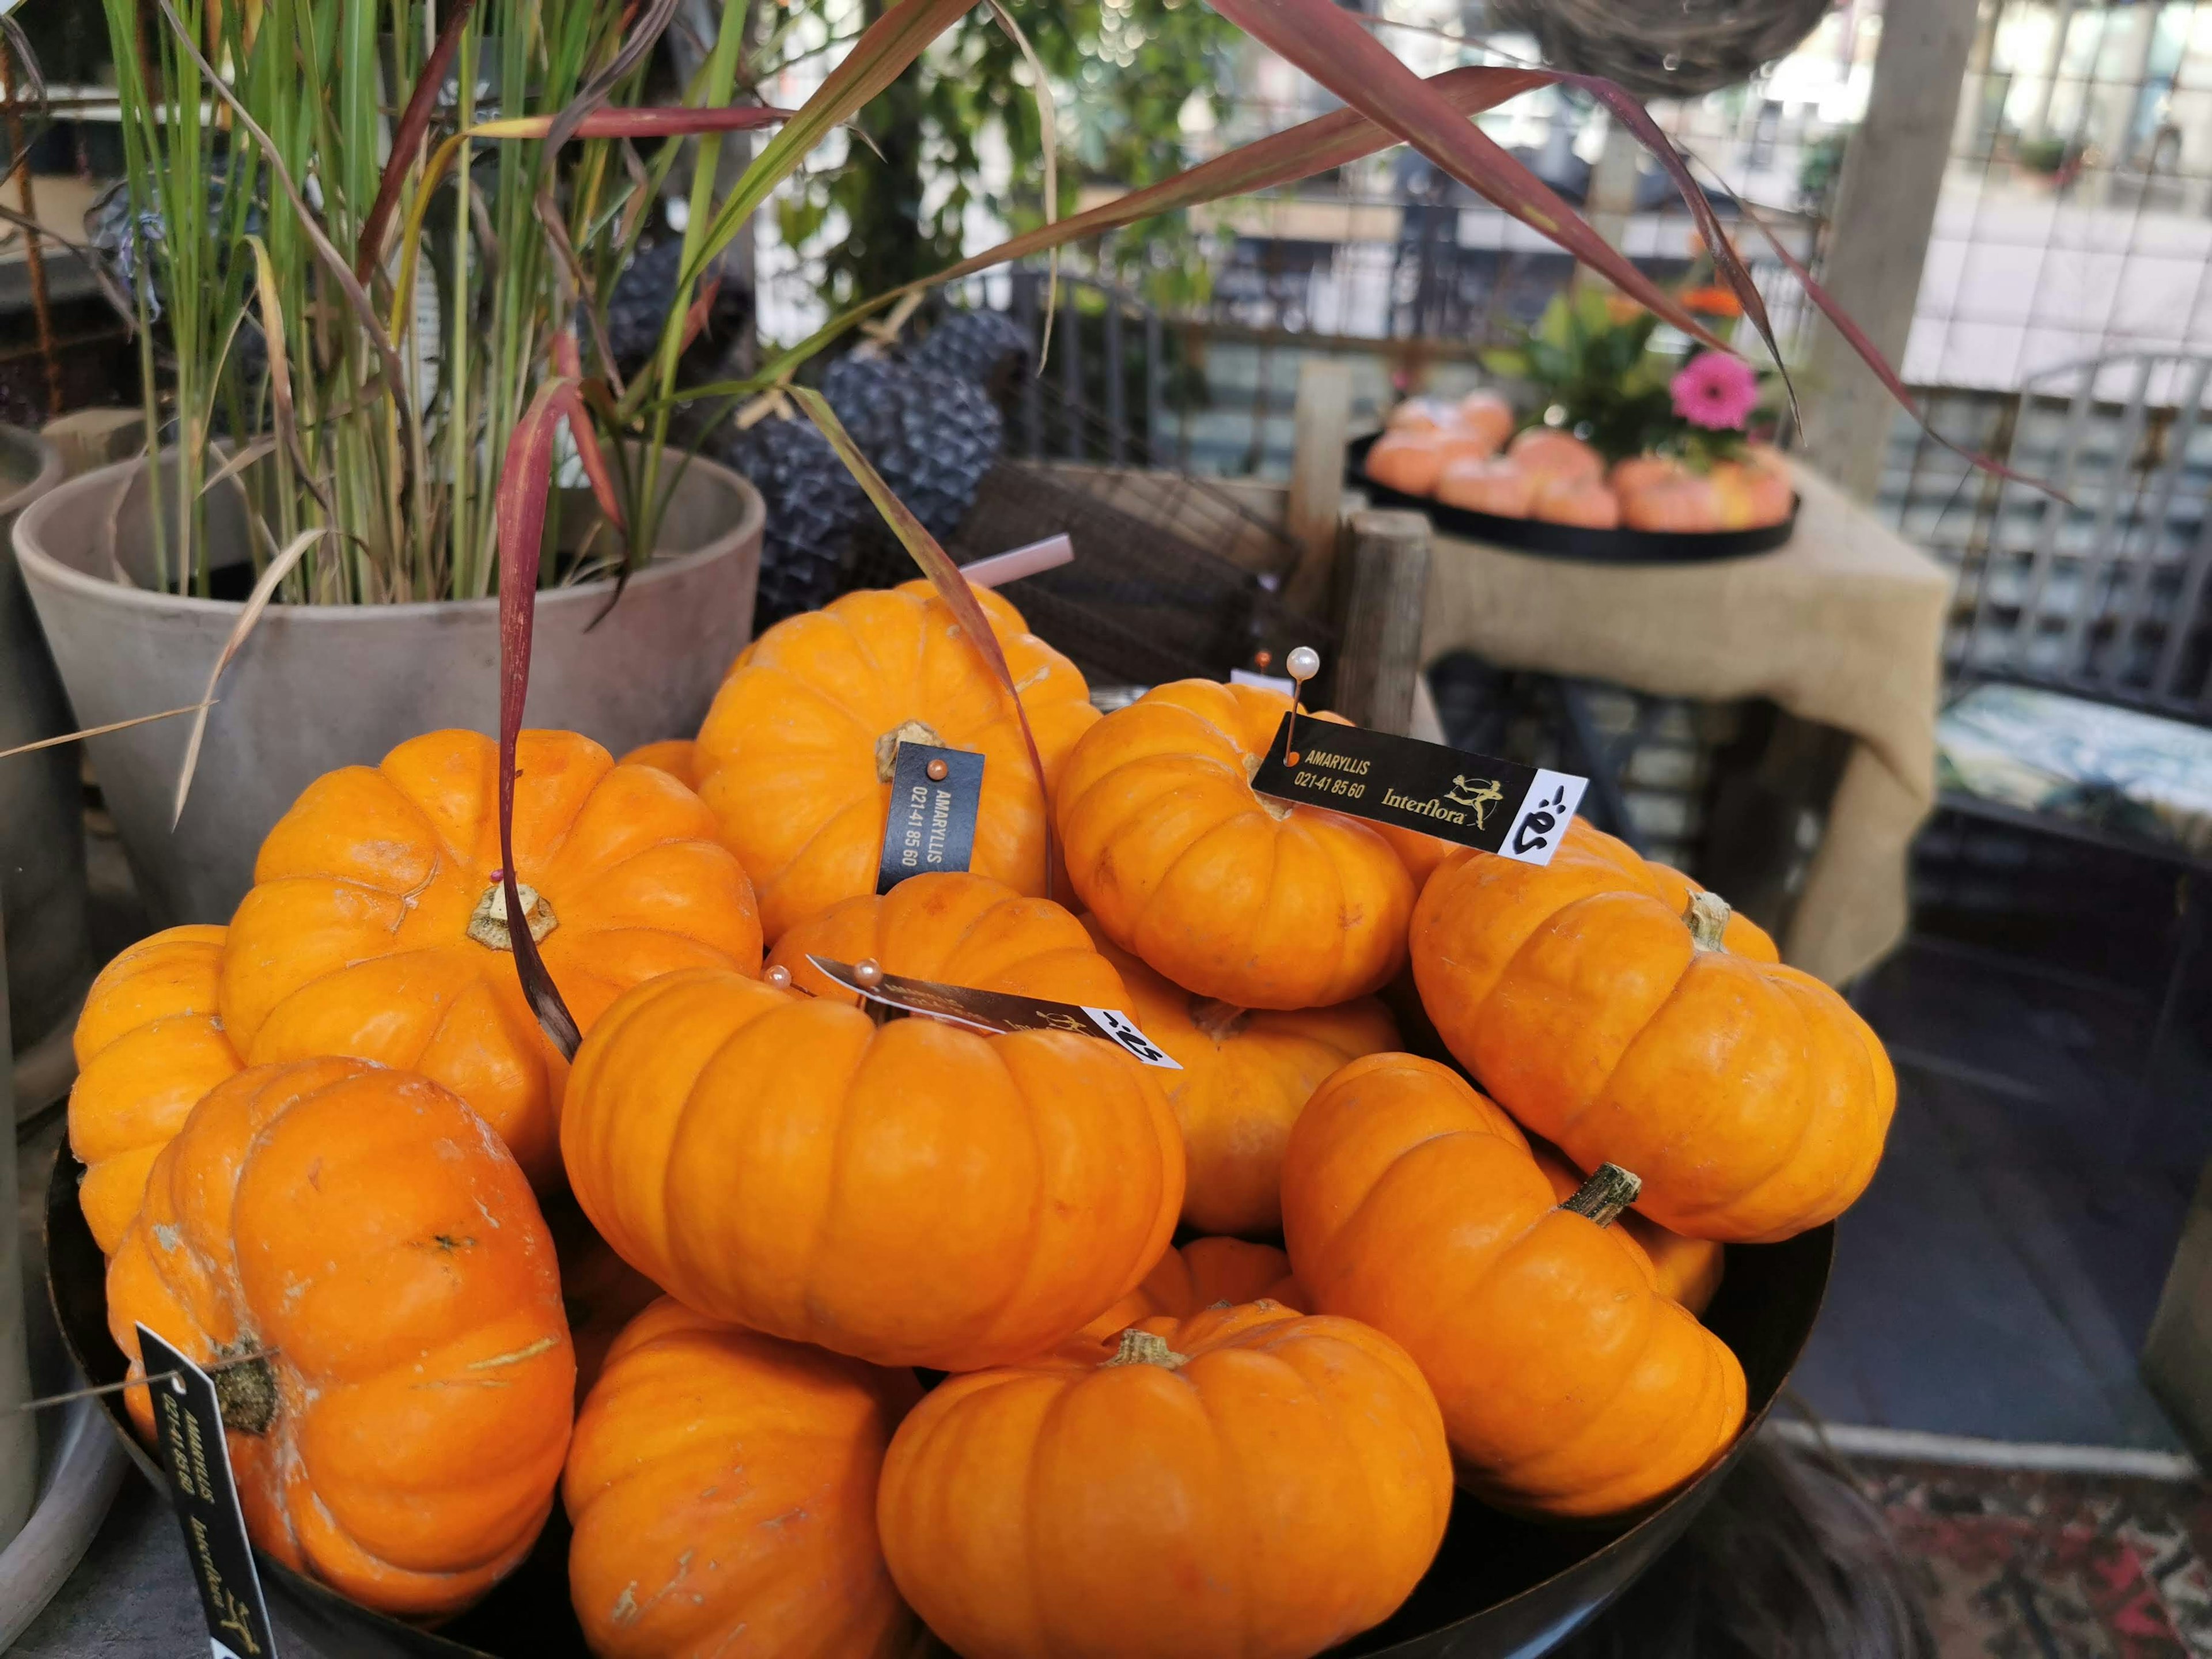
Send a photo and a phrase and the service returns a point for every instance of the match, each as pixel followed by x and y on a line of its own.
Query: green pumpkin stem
pixel 1605 1194
pixel 1708 918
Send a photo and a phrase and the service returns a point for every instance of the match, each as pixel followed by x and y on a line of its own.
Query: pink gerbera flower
pixel 1716 390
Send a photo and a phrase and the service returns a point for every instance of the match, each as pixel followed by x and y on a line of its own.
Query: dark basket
pixel 1571 541
pixel 1149 599
pixel 1499 1589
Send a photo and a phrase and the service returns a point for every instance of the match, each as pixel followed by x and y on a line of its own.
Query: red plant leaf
pixel 519 505
pixel 407 138
pixel 702 307
pixel 567 363
pixel 1321 39
pixel 944 575
pixel 636 42
pixel 628 123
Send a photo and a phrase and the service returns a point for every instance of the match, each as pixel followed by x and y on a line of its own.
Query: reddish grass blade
pixel 638 42
pixel 520 508
pixel 1321 39
pixel 944 575
pixel 569 366
pixel 407 139
pixel 628 123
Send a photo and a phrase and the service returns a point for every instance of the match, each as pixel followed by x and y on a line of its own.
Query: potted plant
pixel 336 349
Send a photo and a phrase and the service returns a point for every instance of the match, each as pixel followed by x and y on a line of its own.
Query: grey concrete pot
pixel 41 801
pixel 318 687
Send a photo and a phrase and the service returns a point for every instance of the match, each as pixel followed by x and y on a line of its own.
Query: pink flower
pixel 1716 390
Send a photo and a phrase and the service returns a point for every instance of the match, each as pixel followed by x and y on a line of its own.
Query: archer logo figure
pixel 1481 795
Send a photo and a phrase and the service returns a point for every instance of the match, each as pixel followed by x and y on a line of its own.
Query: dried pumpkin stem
pixel 904 731
pixel 246 1389
pixel 1277 810
pixel 1144 1348
pixel 1217 1019
pixel 1605 1194
pixel 1707 915
pixel 487 922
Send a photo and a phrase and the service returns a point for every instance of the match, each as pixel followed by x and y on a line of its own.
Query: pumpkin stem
pixel 1708 918
pixel 1605 1194
pixel 1143 1348
pixel 245 1388
pixel 904 731
pixel 487 923
pixel 1277 810
pixel 1217 1019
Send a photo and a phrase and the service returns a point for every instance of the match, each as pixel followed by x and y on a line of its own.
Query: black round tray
pixel 1571 541
pixel 1499 1589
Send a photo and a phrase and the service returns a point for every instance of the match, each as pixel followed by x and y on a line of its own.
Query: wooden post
pixel 2176 1357
pixel 1321 426
pixel 1379 657
pixel 1878 241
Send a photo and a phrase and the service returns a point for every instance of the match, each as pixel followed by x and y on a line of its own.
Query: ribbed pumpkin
pixel 722 1486
pixel 401 1431
pixel 148 1044
pixel 1570 1385
pixel 1229 893
pixel 1246 1075
pixel 375 928
pixel 677 756
pixel 796 755
pixel 1627 1016
pixel 1200 1274
pixel 1248 1481
pixel 956 930
pixel 913 1195
pixel 1687 1270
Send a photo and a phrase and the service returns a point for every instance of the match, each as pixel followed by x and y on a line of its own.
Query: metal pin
pixel 1301 664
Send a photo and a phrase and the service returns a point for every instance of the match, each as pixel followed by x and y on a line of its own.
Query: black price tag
pixel 936 794
pixel 996 1012
pixel 1476 800
pixel 188 1420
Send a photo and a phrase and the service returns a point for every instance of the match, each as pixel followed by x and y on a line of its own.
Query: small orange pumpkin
pixel 677 756
pixel 1546 452
pixel 1497 486
pixel 1487 413
pixel 1644 471
pixel 914 1194
pixel 375 928
pixel 1229 893
pixel 796 755
pixel 1246 1075
pixel 955 929
pixel 722 1486
pixel 1408 458
pixel 363 1259
pixel 1248 1481
pixel 1570 1385
pixel 148 1044
pixel 1202 1273
pixel 1751 496
pixel 1687 1270
pixel 1683 502
pixel 1419 415
pixel 1588 502
pixel 1629 1017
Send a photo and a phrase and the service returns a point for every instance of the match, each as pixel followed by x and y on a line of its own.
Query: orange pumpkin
pixel 1408 459
pixel 957 930
pixel 1488 414
pixel 1683 502
pixel 1230 893
pixel 1203 1272
pixel 1588 502
pixel 1627 1016
pixel 1546 452
pixel 376 928
pixel 1496 486
pixel 722 1486
pixel 148 1044
pixel 1687 1270
pixel 914 1194
pixel 796 755
pixel 365 1260
pixel 677 756
pixel 1416 415
pixel 1249 1481
pixel 1246 1074
pixel 1570 1385
pixel 1646 472
pixel 1751 496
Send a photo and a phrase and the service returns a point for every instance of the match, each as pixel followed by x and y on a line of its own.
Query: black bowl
pixel 1570 541
pixel 1500 1589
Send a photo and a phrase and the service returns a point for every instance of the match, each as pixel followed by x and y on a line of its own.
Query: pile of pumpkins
pixel 815 1320
pixel 1468 455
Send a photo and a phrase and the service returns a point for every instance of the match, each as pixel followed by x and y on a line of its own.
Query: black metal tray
pixel 1500 1589
pixel 1570 541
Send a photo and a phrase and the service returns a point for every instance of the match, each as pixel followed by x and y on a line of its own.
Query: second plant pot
pixel 317 687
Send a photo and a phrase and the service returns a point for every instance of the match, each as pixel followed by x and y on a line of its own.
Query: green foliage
pixel 1589 357
pixel 1122 71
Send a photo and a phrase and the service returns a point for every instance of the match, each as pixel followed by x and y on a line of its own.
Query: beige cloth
pixel 1843 625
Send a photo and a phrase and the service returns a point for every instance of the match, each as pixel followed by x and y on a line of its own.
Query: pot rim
pixel 49 475
pixel 35 562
